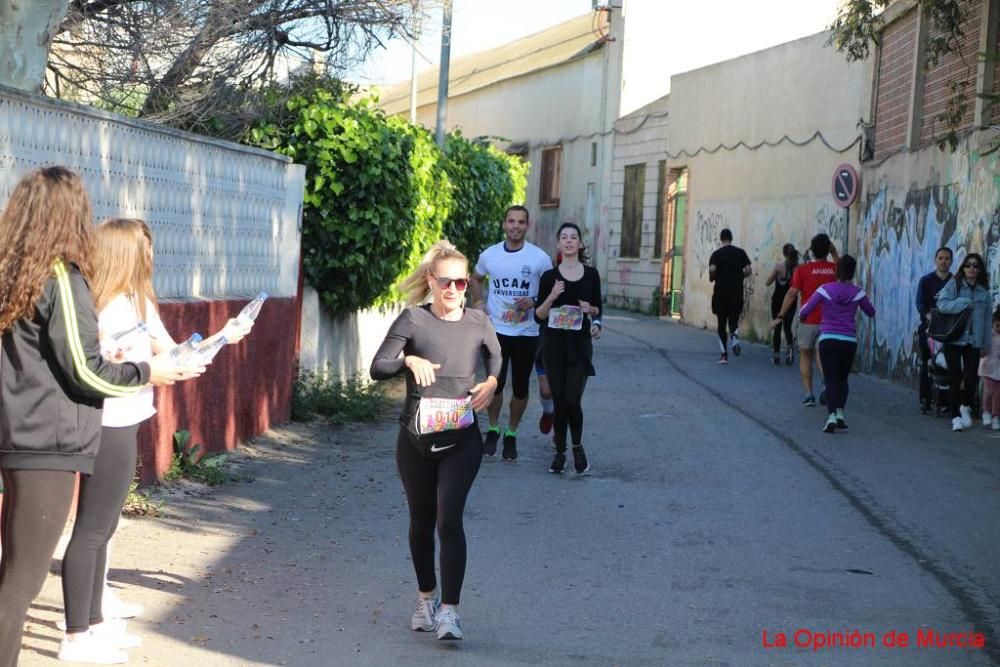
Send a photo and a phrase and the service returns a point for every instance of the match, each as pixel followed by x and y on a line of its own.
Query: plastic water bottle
pixel 124 338
pixel 181 355
pixel 204 354
pixel 251 310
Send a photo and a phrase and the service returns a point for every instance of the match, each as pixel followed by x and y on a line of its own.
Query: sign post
pixel 845 192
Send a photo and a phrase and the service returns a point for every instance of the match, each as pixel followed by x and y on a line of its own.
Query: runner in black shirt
pixel 727 267
pixel 569 312
pixel 439 447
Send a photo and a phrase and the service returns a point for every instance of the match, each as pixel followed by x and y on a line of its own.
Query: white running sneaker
pixel 87 647
pixel 423 615
pixel 114 607
pixel 996 424
pixel 966 413
pixel 987 419
pixel 113 631
pixel 956 424
pixel 448 626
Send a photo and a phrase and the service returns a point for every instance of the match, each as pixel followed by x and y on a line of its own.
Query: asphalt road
pixel 716 511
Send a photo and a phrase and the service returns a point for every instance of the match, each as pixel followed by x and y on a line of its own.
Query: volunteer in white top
pixel 513 268
pixel 123 292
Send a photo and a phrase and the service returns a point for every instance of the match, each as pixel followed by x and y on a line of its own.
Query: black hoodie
pixel 53 380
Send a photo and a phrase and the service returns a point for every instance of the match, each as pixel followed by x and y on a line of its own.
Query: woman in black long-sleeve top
pixel 439 446
pixel 569 310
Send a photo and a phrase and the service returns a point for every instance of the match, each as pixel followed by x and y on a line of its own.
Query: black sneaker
pixel 490 443
pixel 788 358
pixel 558 463
pixel 509 448
pixel 822 397
pixel 776 359
pixel 580 463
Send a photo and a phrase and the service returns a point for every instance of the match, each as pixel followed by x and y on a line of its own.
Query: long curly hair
pixel 47 218
pixel 123 263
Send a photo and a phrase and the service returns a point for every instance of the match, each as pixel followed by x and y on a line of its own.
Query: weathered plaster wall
pixel 915 203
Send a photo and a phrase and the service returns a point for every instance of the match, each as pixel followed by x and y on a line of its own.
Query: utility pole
pixel 442 105
pixel 413 64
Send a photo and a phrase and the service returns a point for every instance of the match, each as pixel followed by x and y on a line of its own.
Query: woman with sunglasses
pixel 439 448
pixel 569 310
pixel 970 289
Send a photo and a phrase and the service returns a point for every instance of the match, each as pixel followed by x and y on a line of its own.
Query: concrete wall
pixel 915 203
pixel 768 196
pixel 225 220
pixel 343 346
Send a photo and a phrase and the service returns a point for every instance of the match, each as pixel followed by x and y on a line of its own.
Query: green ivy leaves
pixel 379 192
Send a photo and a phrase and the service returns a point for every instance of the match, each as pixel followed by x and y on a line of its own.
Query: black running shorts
pixel 518 354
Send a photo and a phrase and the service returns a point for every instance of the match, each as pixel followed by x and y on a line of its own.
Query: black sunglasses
pixel 460 283
pixel 971 265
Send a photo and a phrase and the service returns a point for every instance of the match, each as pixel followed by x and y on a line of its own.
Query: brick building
pixel 919 193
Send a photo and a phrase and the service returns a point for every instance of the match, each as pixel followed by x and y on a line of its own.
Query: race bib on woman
pixel 566 317
pixel 436 415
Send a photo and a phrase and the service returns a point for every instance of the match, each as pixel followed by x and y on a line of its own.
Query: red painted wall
pixel 246 390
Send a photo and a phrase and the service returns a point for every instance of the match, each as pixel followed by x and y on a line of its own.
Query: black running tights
pixel 963 375
pixel 102 496
pixel 836 357
pixel 567 373
pixel 436 490
pixel 35 507
pixel 786 322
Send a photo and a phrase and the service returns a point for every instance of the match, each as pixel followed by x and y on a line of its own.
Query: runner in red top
pixel 805 280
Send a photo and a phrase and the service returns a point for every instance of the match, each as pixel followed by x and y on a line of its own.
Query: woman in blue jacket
pixel 969 289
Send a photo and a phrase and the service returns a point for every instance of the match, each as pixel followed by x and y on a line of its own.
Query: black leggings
pixel 568 370
pixel 35 507
pixel 786 323
pixel 102 496
pixel 436 490
pixel 836 357
pixel 963 375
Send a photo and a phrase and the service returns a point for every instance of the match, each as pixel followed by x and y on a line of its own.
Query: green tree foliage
pixel 379 192
pixel 486 181
pixel 859 25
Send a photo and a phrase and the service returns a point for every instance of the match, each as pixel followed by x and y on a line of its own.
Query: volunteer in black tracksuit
pixel 439 448
pixel 569 311
pixel 52 380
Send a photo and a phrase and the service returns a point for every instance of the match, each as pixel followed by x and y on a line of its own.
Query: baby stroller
pixel 938 369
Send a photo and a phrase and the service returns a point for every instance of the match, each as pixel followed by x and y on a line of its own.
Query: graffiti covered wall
pixel 916 203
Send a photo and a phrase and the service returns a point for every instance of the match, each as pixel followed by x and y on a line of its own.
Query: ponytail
pixel 415 286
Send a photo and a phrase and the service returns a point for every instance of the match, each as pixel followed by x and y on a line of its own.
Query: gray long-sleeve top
pixel 955 297
pixel 456 345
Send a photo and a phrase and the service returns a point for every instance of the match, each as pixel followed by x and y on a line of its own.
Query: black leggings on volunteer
pixel 436 490
pixel 35 508
pixel 102 496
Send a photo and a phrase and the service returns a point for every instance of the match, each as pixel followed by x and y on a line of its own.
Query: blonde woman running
pixel 437 346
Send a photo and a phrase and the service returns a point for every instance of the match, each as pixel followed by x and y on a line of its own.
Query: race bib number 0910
pixel 566 317
pixel 435 415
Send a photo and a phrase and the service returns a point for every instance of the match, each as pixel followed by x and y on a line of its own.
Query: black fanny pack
pixel 440 426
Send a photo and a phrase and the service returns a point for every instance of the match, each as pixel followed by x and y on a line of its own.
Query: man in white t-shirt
pixel 513 268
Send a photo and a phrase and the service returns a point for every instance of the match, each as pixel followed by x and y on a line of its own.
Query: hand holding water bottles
pixel 235 330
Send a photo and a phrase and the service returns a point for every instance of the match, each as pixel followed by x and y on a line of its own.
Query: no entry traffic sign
pixel 845 185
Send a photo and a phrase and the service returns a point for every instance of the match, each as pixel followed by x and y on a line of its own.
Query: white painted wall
pixel 767 196
pixel 225 217
pixel 342 346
